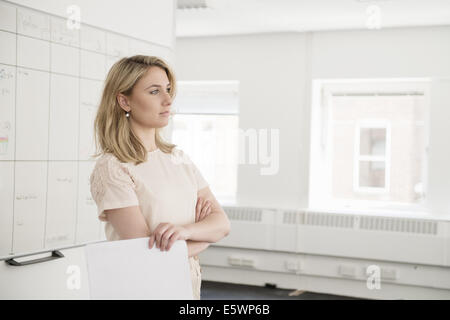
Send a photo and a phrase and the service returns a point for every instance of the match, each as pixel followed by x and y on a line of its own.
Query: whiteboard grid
pixel 106 47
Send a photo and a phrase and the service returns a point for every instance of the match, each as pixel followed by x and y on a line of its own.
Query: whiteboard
pixel 51 79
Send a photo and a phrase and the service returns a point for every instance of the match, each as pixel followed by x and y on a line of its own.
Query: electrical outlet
pixel 293 265
pixel 248 263
pixel 234 261
pixel 388 274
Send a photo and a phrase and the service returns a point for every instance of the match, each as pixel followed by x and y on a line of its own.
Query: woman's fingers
pixel 164 241
pixel 205 210
pixel 159 232
pixel 200 216
pixel 203 214
pixel 198 208
pixel 167 234
pixel 165 238
pixel 172 239
pixel 151 241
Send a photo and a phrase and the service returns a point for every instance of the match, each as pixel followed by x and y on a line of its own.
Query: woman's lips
pixel 165 113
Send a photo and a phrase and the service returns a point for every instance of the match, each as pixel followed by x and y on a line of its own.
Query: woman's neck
pixel 146 136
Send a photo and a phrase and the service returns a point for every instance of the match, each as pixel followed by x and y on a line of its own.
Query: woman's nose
pixel 167 99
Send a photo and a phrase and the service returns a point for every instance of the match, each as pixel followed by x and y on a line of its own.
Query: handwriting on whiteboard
pixel 68 180
pixel 28 196
pixel 5 74
pixel 33 24
pixel 61 34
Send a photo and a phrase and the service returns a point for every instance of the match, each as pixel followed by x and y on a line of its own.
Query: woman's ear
pixel 123 102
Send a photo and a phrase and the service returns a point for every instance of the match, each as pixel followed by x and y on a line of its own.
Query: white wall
pixel 439 160
pixel 403 52
pixel 290 61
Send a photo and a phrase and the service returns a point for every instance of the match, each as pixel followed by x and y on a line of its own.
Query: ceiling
pixel 231 17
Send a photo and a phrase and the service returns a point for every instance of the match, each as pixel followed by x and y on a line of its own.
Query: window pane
pixel 372 174
pixel 372 141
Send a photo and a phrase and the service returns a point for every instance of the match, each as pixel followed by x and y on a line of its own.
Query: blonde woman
pixel 142 185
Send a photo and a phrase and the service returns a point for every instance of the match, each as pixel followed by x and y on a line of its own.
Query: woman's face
pixel 150 99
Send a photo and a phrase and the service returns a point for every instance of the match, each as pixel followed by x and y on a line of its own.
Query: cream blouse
pixel 164 187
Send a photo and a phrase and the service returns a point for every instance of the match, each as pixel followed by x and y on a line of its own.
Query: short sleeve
pixel 112 186
pixel 181 157
pixel 201 182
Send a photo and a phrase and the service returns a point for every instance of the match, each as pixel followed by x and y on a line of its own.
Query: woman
pixel 142 185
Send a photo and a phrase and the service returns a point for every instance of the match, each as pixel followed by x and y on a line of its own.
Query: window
pixel 368 143
pixel 205 127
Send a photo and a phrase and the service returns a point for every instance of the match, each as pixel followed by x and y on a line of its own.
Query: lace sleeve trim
pixel 109 170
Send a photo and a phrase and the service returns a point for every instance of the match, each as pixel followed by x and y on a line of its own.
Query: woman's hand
pixel 202 209
pixel 166 234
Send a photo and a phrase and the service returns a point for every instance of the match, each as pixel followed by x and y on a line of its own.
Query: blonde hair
pixel 112 130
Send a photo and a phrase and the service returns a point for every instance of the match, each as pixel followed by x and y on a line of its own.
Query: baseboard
pixel 324 285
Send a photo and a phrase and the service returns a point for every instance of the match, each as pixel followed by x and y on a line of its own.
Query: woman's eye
pixel 156 91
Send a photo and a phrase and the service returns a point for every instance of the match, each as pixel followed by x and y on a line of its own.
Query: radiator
pixel 406 240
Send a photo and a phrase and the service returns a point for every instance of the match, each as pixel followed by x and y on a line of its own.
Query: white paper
pixel 128 269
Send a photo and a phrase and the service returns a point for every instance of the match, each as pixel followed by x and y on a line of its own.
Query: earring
pixel 127 114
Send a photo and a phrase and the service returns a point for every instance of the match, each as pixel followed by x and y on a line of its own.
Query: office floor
pixel 222 291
